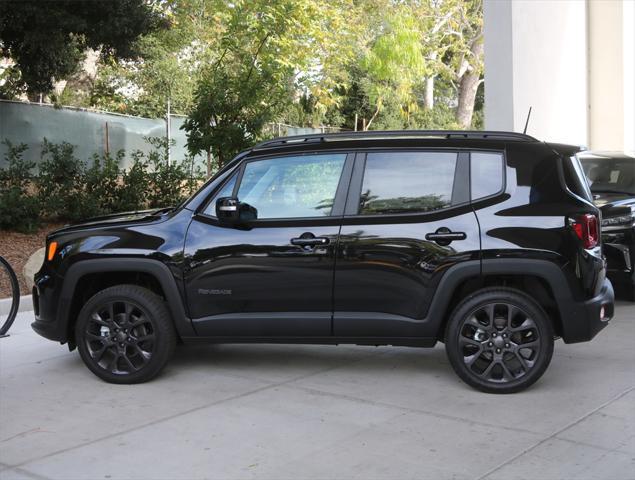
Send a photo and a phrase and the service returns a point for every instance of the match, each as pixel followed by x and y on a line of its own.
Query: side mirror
pixel 232 212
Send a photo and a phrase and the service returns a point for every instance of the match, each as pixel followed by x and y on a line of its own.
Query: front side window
pixel 407 182
pixel 292 187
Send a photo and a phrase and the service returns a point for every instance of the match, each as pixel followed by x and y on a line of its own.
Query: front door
pixel 408 218
pixel 273 277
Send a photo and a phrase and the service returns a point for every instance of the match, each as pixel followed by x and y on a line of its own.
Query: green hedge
pixel 69 189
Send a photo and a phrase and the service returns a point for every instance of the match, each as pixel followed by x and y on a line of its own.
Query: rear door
pixel 408 218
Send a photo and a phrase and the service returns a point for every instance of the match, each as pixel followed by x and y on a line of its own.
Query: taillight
pixel 586 227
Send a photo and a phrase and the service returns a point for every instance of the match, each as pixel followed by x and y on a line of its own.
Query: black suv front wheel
pixel 125 335
pixel 499 340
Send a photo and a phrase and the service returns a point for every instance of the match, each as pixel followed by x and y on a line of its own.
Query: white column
pixel 611 64
pixel 629 75
pixel 535 55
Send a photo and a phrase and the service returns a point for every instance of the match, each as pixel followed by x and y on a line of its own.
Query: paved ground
pixel 249 411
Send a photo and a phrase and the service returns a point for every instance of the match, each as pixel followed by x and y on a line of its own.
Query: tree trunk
pixel 429 84
pixel 429 93
pixel 209 163
pixel 468 86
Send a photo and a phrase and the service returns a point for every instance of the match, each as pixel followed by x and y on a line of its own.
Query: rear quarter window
pixel 575 179
pixel 486 174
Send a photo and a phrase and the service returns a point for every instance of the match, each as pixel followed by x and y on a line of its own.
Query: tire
pixel 499 340
pixel 125 334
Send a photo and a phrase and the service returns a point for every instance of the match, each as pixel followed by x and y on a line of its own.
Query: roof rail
pixel 384 134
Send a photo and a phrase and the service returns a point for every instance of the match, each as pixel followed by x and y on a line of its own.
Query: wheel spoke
pixel 473 322
pixel 511 311
pixel 129 362
pixel 138 322
pixel 533 345
pixel 144 355
pixel 99 354
pixel 526 325
pixel 470 359
pixel 95 317
pixel 112 365
pixel 489 310
pixel 523 361
pixel 96 338
pixel 507 374
pixel 486 373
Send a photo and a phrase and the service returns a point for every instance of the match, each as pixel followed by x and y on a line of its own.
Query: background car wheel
pixel 125 334
pixel 499 340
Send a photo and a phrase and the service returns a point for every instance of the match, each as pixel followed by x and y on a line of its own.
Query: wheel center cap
pixel 121 336
pixel 499 342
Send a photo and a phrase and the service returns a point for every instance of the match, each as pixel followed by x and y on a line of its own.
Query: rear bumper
pixel 586 319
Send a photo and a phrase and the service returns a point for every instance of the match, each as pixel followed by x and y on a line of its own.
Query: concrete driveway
pixel 267 411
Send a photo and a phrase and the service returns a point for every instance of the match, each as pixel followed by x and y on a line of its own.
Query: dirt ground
pixel 16 248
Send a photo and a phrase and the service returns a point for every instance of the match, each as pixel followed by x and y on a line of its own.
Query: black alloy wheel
pixel 125 334
pixel 499 340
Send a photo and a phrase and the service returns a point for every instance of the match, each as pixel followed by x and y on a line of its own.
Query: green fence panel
pixel 89 131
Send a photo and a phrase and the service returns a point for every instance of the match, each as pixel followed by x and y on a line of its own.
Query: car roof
pixel 606 155
pixel 391 139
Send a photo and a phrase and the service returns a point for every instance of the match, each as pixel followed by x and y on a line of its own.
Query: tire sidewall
pixel 519 300
pixel 153 308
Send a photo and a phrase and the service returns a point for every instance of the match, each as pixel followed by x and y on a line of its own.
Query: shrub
pixel 101 184
pixel 67 188
pixel 19 210
pixel 60 182
pixel 133 190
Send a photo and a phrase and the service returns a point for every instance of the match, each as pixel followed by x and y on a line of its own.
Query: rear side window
pixel 407 182
pixel 486 174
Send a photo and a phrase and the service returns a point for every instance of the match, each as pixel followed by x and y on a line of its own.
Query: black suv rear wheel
pixel 124 334
pixel 499 340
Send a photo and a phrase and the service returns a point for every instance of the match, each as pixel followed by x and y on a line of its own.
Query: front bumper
pixel 46 294
pixel 586 319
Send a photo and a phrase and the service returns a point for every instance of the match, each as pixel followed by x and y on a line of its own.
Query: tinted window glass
pixel 226 191
pixel 287 187
pixel 606 175
pixel 486 172
pixel 575 178
pixel 407 182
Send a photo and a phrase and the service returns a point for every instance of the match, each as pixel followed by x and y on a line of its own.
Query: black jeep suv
pixel 486 241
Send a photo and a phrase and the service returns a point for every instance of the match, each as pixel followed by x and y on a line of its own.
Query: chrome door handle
pixel 444 236
pixel 310 242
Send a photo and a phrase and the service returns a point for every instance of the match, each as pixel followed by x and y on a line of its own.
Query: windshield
pixel 610 175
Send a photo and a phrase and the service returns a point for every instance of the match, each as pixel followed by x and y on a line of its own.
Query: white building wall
pixel 571 61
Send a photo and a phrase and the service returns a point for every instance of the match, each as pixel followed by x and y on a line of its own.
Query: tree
pixel 269 52
pixel 47 40
pixel 169 64
pixel 470 66
pixel 394 64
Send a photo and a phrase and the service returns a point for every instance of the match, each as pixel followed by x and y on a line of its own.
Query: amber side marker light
pixel 51 251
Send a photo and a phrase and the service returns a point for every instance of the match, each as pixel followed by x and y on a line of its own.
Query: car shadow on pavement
pixel 295 358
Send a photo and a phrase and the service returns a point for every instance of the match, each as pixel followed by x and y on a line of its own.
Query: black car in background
pixel 611 176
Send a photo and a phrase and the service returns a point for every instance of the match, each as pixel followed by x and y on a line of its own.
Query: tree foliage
pixel 47 40
pixel 233 66
pixel 268 51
